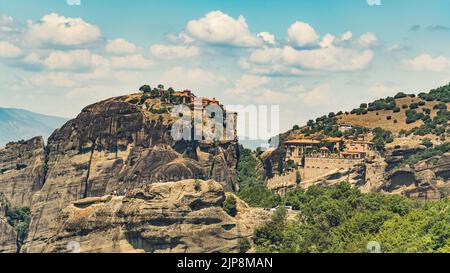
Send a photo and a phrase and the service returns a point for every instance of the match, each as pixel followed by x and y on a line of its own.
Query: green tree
pixel 145 89
pixel 244 245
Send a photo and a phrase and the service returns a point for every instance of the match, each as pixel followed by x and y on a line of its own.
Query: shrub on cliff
pixel 229 205
pixel 244 245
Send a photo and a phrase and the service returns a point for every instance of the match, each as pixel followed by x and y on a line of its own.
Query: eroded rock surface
pixel 183 216
pixel 8 235
pixel 22 170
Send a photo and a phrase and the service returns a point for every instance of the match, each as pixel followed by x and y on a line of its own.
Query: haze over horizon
pixel 310 57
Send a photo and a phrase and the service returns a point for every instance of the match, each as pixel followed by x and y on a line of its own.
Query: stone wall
pixel 282 183
pixel 318 166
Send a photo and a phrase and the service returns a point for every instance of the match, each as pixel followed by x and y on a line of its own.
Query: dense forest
pixel 339 219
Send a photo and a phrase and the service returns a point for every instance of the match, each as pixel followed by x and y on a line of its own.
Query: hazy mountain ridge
pixel 17 124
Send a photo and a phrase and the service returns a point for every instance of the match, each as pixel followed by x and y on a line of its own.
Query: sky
pixel 309 57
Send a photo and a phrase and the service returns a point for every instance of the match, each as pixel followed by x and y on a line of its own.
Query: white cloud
pixel 192 78
pixel 72 60
pixel 426 62
pixel 302 34
pixel 329 59
pixel 256 89
pixel 132 62
pixel 6 20
pixel 318 96
pixel 383 90
pixel 346 36
pixel 6 23
pixel 180 38
pixel 262 90
pixel 247 84
pixel 367 39
pixel 54 29
pixel 8 50
pixel 293 61
pixel 120 46
pixel 33 59
pixel 267 37
pixel 327 40
pixel 219 28
pixel 174 51
pixel 50 80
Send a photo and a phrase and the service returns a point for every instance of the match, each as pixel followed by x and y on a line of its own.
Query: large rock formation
pixel 22 171
pixel 115 146
pixel 183 216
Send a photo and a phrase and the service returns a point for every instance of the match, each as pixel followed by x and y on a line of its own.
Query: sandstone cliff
pixel 7 233
pixel 22 171
pixel 183 216
pixel 113 147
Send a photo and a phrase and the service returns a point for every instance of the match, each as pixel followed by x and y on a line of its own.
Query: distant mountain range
pixel 17 124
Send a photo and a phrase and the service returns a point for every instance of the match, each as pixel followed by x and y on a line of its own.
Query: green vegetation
pixel 380 104
pixel 427 153
pixel 252 187
pixel 143 98
pixel 440 94
pixel 18 218
pixel 229 205
pixel 381 137
pixel 437 125
pixel 327 125
pixel 400 95
pixel 343 220
pixel 197 185
pixel 145 89
pixel 244 245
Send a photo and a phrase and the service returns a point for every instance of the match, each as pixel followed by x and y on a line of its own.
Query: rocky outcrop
pixel 394 156
pixel 426 179
pixel 22 170
pixel 115 146
pixel 405 181
pixel 8 235
pixel 183 216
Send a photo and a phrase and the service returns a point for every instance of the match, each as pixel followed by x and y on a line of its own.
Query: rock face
pixel 115 146
pixel 425 180
pixel 183 216
pixel 22 171
pixel 8 235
